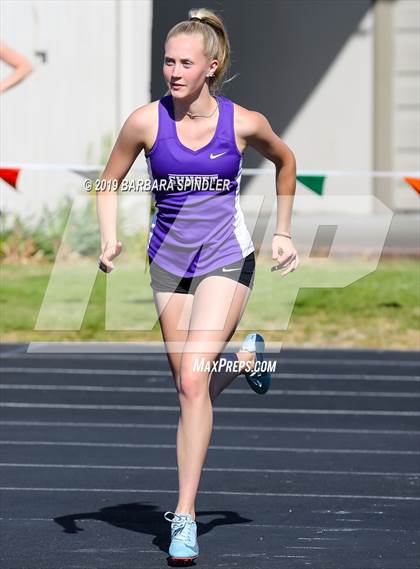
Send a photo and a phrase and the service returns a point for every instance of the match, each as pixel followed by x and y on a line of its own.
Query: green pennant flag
pixel 314 183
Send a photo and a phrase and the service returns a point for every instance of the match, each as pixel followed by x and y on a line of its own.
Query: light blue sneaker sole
pixel 259 381
pixel 179 552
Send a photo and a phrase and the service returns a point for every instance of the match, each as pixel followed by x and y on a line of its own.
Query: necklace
pixel 193 116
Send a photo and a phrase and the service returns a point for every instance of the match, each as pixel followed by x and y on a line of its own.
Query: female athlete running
pixel 200 253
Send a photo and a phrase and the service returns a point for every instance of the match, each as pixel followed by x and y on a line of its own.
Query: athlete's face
pixel 185 67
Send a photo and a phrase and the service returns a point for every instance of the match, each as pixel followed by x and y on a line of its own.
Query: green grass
pixel 349 303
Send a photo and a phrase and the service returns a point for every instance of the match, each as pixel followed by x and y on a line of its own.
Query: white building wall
pixel 72 106
pixel 406 100
pixel 333 130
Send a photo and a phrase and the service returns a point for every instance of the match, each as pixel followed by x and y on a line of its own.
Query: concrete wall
pixel 333 128
pixel 70 109
pixel 406 104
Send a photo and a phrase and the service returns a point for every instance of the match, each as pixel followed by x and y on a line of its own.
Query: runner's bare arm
pixel 260 135
pixel 130 142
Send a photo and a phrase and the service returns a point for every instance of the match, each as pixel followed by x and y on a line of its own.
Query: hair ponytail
pixel 216 42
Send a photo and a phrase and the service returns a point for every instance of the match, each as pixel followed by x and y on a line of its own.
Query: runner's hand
pixel 109 252
pixel 285 253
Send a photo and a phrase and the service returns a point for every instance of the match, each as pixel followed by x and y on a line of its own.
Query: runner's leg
pixel 217 308
pixel 174 311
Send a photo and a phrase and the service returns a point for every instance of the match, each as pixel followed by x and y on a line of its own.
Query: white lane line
pixel 84 371
pixel 214 469
pixel 318 539
pixel 268 354
pixel 213 492
pixel 291 556
pixel 215 447
pixel 171 390
pixel 305 546
pixel 16 405
pixel 319 529
pixel 29 519
pixel 142 426
pixel 164 373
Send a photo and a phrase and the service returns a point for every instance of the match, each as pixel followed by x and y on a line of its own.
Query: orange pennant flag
pixel 10 175
pixel 414 183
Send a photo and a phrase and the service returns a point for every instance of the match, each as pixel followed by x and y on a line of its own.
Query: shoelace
pixel 180 522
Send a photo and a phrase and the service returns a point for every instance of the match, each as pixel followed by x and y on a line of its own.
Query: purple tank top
pixel 198 225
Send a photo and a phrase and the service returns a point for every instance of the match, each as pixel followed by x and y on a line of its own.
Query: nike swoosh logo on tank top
pixel 196 230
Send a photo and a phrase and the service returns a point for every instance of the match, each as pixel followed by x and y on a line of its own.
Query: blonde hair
pixel 216 41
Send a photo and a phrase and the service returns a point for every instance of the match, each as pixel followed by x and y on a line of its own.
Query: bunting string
pixel 312 179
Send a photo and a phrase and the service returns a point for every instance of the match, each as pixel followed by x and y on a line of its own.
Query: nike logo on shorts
pixel 213 156
pixel 228 270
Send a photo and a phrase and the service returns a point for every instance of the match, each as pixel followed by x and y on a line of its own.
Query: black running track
pixel 322 472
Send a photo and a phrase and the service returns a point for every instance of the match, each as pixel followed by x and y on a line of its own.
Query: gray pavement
pixel 321 472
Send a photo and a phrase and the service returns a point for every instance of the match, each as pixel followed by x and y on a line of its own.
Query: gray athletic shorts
pixel 242 271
